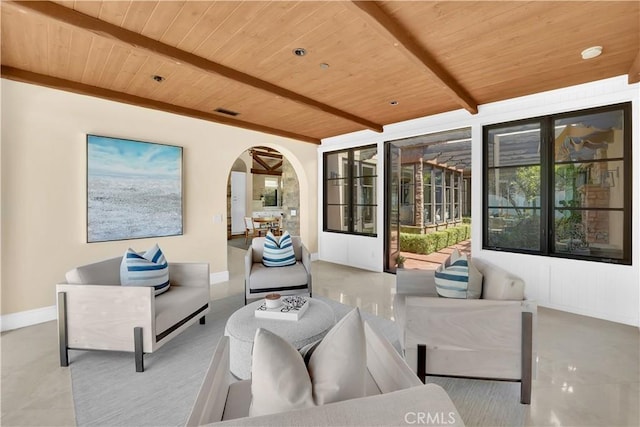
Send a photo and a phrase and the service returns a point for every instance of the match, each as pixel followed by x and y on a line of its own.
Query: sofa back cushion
pixel 103 273
pixel 499 284
pixel 461 279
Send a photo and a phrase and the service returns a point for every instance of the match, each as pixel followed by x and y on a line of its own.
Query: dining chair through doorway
pixel 250 229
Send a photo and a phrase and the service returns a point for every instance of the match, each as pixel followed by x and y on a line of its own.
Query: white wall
pixel 595 289
pixel 43 175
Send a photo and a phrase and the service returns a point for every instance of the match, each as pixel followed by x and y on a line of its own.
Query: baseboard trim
pixel 27 318
pixel 314 256
pixel 218 277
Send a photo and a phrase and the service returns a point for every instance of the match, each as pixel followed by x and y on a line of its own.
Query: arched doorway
pixel 272 189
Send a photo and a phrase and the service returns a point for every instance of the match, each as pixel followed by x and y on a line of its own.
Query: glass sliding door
pixel 392 181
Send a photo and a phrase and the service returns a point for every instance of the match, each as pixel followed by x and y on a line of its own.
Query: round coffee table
pixel 242 325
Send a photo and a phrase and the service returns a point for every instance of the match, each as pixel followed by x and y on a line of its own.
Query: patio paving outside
pixel 433 260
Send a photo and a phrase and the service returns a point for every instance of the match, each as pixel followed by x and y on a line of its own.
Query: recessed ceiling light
pixel 158 78
pixel 324 65
pixel 591 52
pixel 393 102
pixel 299 51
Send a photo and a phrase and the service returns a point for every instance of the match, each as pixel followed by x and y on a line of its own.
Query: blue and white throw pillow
pixel 278 253
pixel 149 269
pixel 461 279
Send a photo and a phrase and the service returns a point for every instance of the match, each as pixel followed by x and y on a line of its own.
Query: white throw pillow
pixel 279 378
pixel 149 269
pixel 337 369
pixel 338 366
pixel 461 279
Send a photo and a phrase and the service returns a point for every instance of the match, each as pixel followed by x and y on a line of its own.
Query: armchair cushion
pixel 265 277
pixel 461 279
pixel 149 269
pixel 178 303
pixel 278 252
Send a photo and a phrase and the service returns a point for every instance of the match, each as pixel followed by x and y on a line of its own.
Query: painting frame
pixel 134 189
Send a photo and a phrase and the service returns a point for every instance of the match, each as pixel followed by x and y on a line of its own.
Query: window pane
pixel 427 214
pixel 590 137
pixel 426 193
pixel 365 219
pixel 514 145
pixel 368 154
pixel 350 189
pixel 514 186
pixel 515 229
pixel 364 194
pixel 338 217
pixel 590 185
pixel 407 196
pixel 336 192
pixel 589 233
pixel 426 174
pixel 336 164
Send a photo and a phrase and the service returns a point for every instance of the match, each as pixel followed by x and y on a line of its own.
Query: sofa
pixel 290 280
pixel 490 338
pixel 395 396
pixel 96 313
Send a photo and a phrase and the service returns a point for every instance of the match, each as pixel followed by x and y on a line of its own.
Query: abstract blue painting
pixel 134 189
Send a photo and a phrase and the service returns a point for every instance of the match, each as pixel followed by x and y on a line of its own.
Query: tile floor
pixel 588 369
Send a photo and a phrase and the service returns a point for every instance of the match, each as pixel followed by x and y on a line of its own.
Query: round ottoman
pixel 242 325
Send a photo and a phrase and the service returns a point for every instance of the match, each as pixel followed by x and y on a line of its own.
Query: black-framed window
pixel 350 191
pixel 560 185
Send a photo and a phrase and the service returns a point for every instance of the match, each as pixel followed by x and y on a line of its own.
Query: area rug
pixel 108 392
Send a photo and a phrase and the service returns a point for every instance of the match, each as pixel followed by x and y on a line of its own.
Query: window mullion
pixel 350 192
pixel 547 188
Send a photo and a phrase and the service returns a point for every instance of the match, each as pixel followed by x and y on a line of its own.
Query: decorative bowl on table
pixel 273 300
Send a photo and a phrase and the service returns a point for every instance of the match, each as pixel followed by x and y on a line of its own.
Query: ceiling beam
pixel 111 95
pixel 261 162
pixel 634 71
pixel 266 172
pixel 132 40
pixel 273 155
pixel 399 37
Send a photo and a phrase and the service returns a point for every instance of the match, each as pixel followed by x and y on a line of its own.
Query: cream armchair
pixel 290 280
pixel 96 313
pixel 488 338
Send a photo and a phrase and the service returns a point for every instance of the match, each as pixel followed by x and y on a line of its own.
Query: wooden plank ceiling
pixel 367 64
